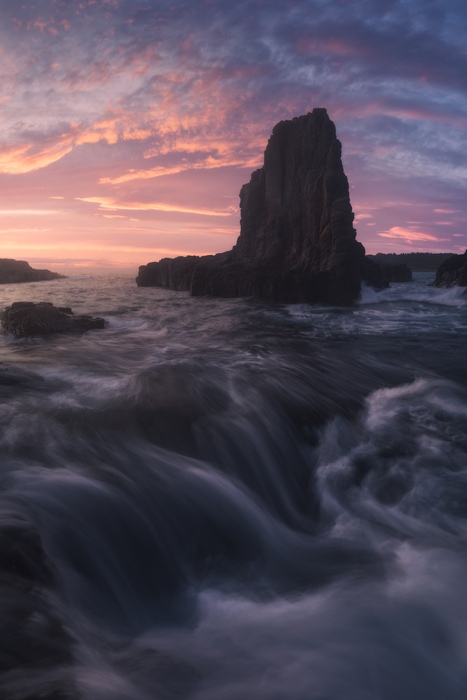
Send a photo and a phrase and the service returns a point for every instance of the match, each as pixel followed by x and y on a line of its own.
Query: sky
pixel 127 127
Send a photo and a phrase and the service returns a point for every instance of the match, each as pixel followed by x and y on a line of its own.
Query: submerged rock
pixel 297 242
pixel 17 271
pixel 24 318
pixel 452 271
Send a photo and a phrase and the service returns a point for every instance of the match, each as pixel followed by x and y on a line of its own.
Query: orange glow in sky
pixel 127 129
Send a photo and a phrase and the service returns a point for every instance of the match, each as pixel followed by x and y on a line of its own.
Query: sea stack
pixel 297 242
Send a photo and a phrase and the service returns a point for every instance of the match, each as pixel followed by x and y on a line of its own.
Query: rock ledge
pixel 25 318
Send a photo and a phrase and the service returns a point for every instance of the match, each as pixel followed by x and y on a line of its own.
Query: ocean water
pixel 223 499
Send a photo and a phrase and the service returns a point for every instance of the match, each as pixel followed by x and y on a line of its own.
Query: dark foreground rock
pixel 297 242
pixel 24 318
pixel 35 649
pixel 15 271
pixel 452 271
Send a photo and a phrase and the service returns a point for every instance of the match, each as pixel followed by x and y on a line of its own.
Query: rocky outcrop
pixel 24 318
pixel 452 271
pixel 396 273
pixel 297 242
pixel 13 271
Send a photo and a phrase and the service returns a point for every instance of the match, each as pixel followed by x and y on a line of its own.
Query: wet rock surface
pixel 26 318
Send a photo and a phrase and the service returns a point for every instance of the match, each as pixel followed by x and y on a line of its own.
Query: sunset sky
pixel 127 127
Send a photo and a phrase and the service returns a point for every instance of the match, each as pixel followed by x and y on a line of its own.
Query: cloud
pixel 131 77
pixel 209 163
pixel 24 159
pixel 27 212
pixel 407 234
pixel 107 203
pixel 115 95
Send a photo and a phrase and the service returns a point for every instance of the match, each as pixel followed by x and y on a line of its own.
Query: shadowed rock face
pixel 14 271
pixel 24 318
pixel 396 273
pixel 452 271
pixel 297 242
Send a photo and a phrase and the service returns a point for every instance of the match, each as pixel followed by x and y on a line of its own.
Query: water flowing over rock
pixel 16 271
pixel 24 318
pixel 452 271
pixel 297 242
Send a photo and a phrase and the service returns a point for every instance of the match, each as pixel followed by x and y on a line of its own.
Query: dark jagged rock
pixel 15 271
pixel 396 273
pixel 174 273
pixel 452 271
pixel 297 242
pixel 36 659
pixel 387 268
pixel 372 274
pixel 24 318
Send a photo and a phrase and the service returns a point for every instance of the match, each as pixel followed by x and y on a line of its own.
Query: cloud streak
pixel 152 106
pixel 113 205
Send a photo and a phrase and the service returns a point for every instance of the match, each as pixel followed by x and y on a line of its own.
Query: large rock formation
pixel 12 271
pixel 452 271
pixel 297 242
pixel 24 318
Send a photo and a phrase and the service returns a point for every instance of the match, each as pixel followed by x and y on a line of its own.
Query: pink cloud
pixel 161 171
pixel 24 159
pixel 407 234
pixel 106 203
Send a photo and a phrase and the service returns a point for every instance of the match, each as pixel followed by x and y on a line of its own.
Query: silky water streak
pixel 215 499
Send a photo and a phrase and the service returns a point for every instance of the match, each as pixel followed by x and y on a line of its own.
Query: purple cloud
pixel 142 101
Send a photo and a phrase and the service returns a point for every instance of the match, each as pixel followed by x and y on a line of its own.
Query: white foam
pixel 415 292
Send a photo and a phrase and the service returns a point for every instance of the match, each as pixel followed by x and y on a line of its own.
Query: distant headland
pixel 19 271
pixel 417 262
